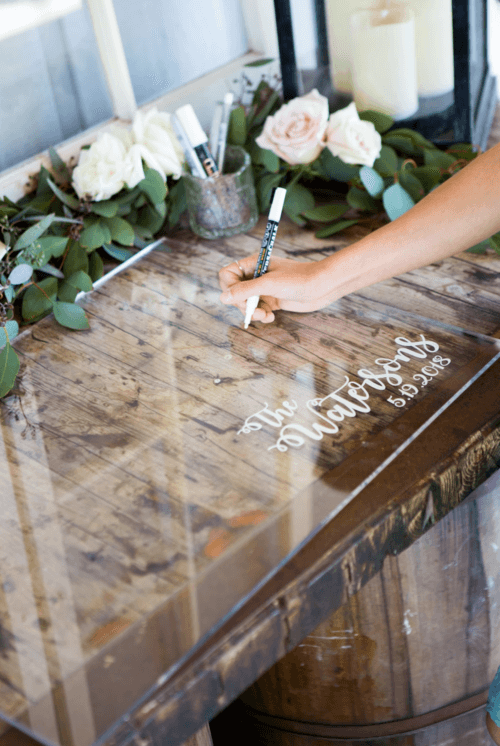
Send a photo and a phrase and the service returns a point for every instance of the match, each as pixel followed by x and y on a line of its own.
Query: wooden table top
pixel 176 491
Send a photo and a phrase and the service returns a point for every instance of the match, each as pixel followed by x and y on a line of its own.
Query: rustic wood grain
pixel 125 508
pixel 109 427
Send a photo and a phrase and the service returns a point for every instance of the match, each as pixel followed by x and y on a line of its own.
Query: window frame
pixel 260 25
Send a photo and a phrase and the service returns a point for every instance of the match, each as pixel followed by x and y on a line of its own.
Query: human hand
pixel 287 285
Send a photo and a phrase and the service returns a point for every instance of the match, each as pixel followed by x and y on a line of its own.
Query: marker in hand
pixel 266 248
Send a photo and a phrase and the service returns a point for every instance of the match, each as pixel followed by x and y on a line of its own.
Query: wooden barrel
pixel 409 659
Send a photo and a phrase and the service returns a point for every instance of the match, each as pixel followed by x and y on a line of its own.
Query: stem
pixel 297 176
pixel 42 291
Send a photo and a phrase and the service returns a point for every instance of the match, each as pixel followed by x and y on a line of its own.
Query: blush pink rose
pixel 296 132
pixel 352 139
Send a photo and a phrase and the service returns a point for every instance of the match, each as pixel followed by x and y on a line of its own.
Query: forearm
pixel 458 214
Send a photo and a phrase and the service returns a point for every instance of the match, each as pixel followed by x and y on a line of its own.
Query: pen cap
pixel 192 127
pixel 277 204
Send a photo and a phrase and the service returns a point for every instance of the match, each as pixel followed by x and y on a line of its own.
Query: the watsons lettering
pixel 347 401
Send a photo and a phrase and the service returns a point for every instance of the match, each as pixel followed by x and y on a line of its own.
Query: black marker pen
pixel 197 138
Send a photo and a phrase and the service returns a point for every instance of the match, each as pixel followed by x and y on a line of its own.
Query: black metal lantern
pixel 464 114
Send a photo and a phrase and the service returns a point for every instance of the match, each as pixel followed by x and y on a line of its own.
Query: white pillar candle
pixel 384 66
pixel 434 45
pixel 338 13
pixel 433 34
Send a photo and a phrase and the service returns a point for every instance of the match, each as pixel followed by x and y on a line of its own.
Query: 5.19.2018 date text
pixel 428 372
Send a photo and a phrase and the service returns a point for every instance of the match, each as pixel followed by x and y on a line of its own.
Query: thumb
pixel 240 291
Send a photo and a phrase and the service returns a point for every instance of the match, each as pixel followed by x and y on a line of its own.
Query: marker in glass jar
pixel 197 139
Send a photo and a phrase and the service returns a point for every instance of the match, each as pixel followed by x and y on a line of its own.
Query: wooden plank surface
pixel 137 513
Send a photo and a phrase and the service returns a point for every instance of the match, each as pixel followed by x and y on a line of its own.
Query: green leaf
pixel 161 209
pixel 53 246
pixel 20 274
pixel 403 143
pixel 463 150
pixel 9 293
pixel 70 315
pixel 438 158
pixel 177 204
pixel 121 230
pixel 12 329
pixel 96 266
pixel 150 219
pixel 96 233
pixel 66 198
pixel 7 209
pixel 298 199
pixel 33 233
pixel 142 233
pixel 326 213
pixel 259 63
pixel 117 252
pixel 49 269
pixel 140 201
pixel 332 167
pixel 480 248
pixel 9 368
pixel 335 228
pixel 429 176
pixel 396 201
pixel 265 186
pixel 372 181
pixel 361 200
pixel 43 189
pixel 387 163
pixel 59 166
pixel 154 187
pixel 382 122
pixel 80 280
pixel 35 302
pixel 67 292
pixel 269 160
pixel 128 196
pixel 411 184
pixel 418 140
pixel 495 242
pixel 76 258
pixel 237 130
pixel 107 208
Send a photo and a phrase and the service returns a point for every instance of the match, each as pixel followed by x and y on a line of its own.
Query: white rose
pixel 352 139
pixel 3 250
pixel 156 142
pixel 296 132
pixel 105 168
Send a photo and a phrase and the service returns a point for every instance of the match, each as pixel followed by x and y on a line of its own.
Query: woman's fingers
pixel 237 271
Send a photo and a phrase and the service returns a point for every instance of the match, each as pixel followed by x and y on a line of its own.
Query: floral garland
pixel 125 189
pixel 358 160
pixel 54 241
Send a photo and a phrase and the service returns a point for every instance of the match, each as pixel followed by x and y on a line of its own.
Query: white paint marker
pixel 197 139
pixel 221 149
pixel 191 158
pixel 213 140
pixel 266 248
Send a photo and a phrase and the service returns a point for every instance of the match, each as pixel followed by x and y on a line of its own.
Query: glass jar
pixel 223 205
